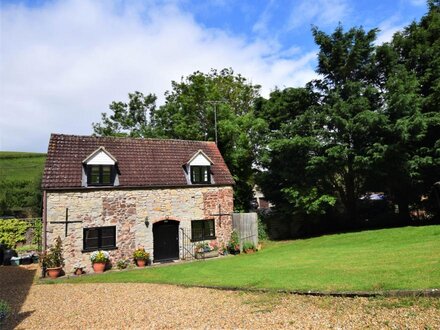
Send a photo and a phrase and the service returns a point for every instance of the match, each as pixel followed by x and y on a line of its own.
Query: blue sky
pixel 63 62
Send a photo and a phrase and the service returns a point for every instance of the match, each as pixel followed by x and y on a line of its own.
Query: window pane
pixel 108 242
pixel 205 174
pixel 94 174
pixel 209 228
pixel 197 230
pixel 108 238
pixel 91 233
pixel 91 239
pixel 106 174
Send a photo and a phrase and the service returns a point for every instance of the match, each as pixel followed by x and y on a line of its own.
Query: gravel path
pixel 121 306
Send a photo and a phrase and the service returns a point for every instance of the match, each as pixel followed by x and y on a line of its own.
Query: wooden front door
pixel 166 240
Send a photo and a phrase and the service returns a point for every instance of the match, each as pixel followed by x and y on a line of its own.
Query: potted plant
pixel 78 269
pixel 234 243
pixel 122 264
pixel 99 260
pixel 141 257
pixel 53 260
pixel 248 247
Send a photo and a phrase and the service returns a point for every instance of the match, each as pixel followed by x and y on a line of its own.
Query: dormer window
pixel 198 169
pixel 200 174
pixel 100 169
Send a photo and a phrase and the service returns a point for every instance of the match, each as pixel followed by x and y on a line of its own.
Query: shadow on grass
pixel 15 284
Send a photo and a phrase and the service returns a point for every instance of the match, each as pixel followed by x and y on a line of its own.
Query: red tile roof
pixel 141 162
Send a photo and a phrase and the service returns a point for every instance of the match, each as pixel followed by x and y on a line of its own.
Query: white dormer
pixel 100 169
pixel 198 169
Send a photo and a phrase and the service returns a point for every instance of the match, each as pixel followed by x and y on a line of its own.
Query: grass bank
pixel 388 259
pixel 20 179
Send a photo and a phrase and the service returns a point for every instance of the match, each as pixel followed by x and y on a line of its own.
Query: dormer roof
pixel 141 162
pixel 100 157
pixel 199 158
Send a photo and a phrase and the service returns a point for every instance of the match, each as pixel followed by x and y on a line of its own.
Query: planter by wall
pixel 205 255
pixel 99 267
pixel 53 272
pixel 15 261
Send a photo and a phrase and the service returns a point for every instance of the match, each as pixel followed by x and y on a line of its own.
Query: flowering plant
pixel 100 256
pixel 205 247
pixel 213 245
pixel 78 266
pixel 140 254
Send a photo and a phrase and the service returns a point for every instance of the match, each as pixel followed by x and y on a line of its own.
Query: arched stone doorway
pixel 166 240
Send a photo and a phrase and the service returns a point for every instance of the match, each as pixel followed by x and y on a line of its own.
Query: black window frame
pixel 101 175
pixel 87 248
pixel 204 228
pixel 201 173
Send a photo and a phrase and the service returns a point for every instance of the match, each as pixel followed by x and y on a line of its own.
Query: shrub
pixel 54 257
pixel 122 264
pixel 4 310
pixel 99 256
pixel 38 232
pixel 262 229
pixel 13 231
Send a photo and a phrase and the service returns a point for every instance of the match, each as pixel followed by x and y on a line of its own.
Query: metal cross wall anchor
pixel 66 222
pixel 219 214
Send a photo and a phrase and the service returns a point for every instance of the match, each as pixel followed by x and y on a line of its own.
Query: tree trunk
pixel 351 198
pixel 404 217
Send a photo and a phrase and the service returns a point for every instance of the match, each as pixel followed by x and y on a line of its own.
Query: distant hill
pixel 20 179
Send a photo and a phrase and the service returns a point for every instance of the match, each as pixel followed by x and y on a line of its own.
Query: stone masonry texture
pixel 127 209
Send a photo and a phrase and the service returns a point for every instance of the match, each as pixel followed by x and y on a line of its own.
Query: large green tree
pixel 320 153
pixel 191 109
pixel 133 118
pixel 410 150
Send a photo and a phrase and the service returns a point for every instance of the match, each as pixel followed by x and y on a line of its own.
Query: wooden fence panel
pixel 246 225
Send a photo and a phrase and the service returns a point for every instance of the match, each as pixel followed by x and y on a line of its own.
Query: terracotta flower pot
pixel 99 267
pixel 141 262
pixel 78 271
pixel 53 272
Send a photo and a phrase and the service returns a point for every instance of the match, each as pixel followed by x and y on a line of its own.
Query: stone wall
pixel 128 210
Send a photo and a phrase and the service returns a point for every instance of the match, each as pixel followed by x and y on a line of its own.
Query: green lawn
pixel 402 258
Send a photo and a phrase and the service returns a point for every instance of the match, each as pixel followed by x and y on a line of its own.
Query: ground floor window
pixel 202 230
pixel 99 238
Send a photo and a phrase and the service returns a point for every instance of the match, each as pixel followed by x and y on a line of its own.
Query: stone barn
pixel 116 194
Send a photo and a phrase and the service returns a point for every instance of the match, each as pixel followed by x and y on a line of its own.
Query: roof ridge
pixel 129 138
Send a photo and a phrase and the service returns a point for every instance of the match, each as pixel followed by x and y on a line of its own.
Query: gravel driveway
pixel 121 306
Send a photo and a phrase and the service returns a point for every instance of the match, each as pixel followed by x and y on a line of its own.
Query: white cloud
pixel 318 12
pixel 63 63
pixel 387 30
pixel 418 3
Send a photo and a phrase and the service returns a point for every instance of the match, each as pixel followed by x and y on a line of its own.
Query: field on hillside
pixel 20 177
pixel 387 259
